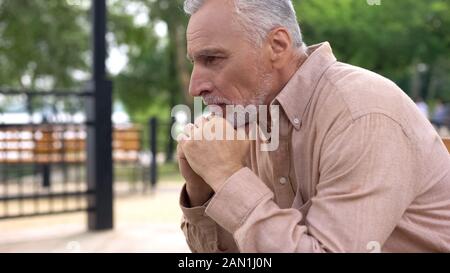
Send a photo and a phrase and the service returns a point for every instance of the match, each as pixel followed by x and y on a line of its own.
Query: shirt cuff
pixel 194 215
pixel 238 197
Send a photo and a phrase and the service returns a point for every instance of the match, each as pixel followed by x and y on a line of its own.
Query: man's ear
pixel 280 45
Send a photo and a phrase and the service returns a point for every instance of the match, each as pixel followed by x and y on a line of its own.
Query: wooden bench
pixel 447 143
pixel 48 144
pixel 127 144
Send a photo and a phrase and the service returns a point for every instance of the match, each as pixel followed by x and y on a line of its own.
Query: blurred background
pixel 46 62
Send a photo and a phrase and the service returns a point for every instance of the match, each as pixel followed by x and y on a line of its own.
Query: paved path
pixel 143 223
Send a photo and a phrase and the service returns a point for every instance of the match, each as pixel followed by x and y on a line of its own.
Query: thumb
pixel 180 152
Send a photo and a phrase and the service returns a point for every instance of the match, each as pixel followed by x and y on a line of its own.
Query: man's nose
pixel 200 83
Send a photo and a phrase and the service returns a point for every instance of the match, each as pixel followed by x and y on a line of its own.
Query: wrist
pixel 198 195
pixel 217 179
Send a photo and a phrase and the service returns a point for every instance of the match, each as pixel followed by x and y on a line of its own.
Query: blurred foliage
pixel 156 73
pixel 42 41
pixel 407 41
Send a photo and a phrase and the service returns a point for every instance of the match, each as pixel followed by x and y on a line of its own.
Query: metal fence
pixel 42 162
pixel 160 143
pixel 54 164
pixel 65 155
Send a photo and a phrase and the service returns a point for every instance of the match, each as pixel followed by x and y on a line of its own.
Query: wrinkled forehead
pixel 214 24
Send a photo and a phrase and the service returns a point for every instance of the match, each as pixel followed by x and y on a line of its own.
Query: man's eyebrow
pixel 205 52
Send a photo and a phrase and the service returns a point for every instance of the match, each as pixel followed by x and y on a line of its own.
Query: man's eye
pixel 210 59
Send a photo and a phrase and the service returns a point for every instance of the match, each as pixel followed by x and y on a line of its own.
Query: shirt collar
pixel 297 93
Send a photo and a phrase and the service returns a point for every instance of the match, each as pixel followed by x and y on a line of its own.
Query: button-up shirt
pixel 358 169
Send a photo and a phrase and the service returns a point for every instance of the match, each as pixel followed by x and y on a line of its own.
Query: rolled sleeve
pixel 199 229
pixel 241 193
pixel 195 215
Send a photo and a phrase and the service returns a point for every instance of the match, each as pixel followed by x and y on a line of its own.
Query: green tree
pixel 157 75
pixel 403 40
pixel 42 42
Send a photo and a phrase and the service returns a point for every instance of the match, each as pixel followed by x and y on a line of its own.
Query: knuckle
pixel 188 126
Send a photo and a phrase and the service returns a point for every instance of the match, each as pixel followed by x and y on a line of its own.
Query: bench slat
pixel 49 144
pixel 447 143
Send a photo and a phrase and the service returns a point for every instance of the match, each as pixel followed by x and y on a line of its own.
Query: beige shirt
pixel 358 169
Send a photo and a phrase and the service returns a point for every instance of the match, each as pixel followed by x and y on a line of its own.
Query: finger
pixel 182 137
pixel 188 129
pixel 221 127
pixel 200 121
pixel 180 152
pixel 218 122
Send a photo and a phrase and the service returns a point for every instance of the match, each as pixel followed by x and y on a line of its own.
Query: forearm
pixel 197 195
pixel 335 222
pixel 245 208
pixel 203 235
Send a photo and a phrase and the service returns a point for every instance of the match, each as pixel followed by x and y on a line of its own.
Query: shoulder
pixel 366 92
pixel 353 93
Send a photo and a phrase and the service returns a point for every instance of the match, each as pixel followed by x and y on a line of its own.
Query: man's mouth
pixel 223 106
pixel 210 103
pixel 212 100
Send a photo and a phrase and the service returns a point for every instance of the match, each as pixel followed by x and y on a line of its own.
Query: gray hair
pixel 260 17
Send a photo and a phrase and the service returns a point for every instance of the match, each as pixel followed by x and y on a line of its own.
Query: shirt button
pixel 283 180
pixel 296 121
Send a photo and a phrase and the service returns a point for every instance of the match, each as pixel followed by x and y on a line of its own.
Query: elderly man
pixel 357 169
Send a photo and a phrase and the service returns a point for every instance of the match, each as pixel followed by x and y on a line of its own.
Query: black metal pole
pixel 46 168
pixel 46 175
pixel 153 126
pixel 99 139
